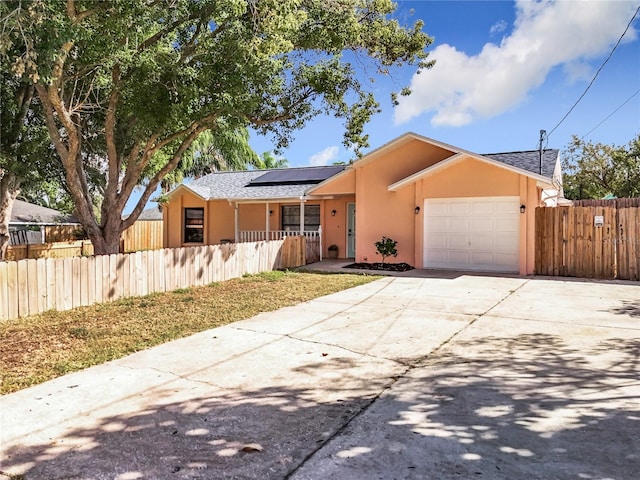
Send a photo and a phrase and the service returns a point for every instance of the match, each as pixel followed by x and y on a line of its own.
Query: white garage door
pixel 472 233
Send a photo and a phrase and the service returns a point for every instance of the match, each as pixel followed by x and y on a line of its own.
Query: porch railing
pixel 313 240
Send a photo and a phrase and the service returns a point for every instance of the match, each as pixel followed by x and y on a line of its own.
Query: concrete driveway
pixel 435 378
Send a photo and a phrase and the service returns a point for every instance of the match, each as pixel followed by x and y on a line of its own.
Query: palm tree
pixel 269 161
pixel 222 150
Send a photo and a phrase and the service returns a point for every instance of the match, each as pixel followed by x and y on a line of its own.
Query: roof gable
pixel 525 162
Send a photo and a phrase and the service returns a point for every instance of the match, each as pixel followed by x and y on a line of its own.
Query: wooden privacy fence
pixel 28 287
pixel 50 250
pixel 142 235
pixel 63 233
pixel 593 241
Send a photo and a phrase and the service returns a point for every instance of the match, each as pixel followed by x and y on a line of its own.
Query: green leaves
pixel 386 248
pixel 126 86
pixel 595 170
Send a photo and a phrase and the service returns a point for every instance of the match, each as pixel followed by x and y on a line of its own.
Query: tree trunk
pixel 106 239
pixel 9 189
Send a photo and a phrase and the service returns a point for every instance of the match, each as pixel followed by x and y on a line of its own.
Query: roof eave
pixel 540 179
pixel 186 187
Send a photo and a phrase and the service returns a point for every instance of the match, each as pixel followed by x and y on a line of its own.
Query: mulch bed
pixel 389 267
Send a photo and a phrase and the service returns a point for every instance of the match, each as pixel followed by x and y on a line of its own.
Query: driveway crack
pixel 394 379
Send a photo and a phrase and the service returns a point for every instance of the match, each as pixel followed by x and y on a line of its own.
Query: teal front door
pixel 351 230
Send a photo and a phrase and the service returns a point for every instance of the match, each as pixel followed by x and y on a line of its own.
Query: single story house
pixel 445 206
pixel 28 222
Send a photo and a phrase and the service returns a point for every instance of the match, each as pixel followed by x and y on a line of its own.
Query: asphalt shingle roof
pixel 25 212
pixel 236 185
pixel 151 214
pixel 529 160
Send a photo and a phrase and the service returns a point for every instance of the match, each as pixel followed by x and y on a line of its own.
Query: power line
pixel 597 73
pixel 611 114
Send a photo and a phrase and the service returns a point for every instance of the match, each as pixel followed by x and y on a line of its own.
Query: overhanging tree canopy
pixel 132 83
pixel 595 170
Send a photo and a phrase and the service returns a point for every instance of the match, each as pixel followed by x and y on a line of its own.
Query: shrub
pixel 387 248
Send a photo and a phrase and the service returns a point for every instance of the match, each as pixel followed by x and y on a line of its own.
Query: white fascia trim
pixel 182 186
pixel 402 139
pixel 541 180
pixel 266 200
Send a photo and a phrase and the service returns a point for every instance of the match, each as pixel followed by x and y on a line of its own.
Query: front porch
pixel 313 240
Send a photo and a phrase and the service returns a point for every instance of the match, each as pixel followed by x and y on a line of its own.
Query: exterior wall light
pixel 270 212
pixel 523 208
pixel 333 213
pixel 416 210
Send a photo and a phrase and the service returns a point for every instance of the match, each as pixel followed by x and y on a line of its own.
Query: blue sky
pixel 504 71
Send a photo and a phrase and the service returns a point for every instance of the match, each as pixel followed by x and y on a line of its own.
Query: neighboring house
pixel 445 206
pixel 150 215
pixel 29 221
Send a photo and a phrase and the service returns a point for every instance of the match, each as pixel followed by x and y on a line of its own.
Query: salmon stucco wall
pixel 474 178
pixel 391 214
pixel 343 183
pixel 172 214
pixel 334 226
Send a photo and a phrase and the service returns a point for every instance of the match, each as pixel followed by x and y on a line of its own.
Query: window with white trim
pixel 291 218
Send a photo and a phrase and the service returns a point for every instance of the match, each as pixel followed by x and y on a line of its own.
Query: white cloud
pixel 324 157
pixel 498 27
pixel 461 88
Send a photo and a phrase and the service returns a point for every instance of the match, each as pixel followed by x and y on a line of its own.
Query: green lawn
pixel 42 347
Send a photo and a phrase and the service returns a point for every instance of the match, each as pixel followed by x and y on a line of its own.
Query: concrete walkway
pixel 447 377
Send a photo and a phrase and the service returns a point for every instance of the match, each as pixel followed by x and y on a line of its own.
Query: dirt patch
pixel 388 267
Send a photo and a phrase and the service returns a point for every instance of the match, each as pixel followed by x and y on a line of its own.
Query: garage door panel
pixel 506 258
pixel 482 208
pixel 458 242
pixel 438 256
pixel 440 224
pixel 507 243
pixel 503 224
pixel 439 210
pixel 481 258
pixel 507 207
pixel 458 256
pixel 458 209
pixel 458 225
pixel 480 225
pixel 438 241
pixel 472 233
pixel 481 242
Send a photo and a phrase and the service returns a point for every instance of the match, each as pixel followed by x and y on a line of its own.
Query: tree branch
pixel 113 159
pixel 73 13
pixel 170 28
pixel 25 94
pixel 155 180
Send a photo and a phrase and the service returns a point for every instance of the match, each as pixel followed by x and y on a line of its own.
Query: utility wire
pixel 611 114
pixel 597 73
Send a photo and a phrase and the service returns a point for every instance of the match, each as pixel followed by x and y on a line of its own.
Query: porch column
pixel 302 217
pixel 266 214
pixel 237 222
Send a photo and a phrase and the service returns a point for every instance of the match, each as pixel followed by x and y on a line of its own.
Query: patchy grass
pixel 41 347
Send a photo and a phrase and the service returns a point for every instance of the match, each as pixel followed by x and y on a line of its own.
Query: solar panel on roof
pixel 293 176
